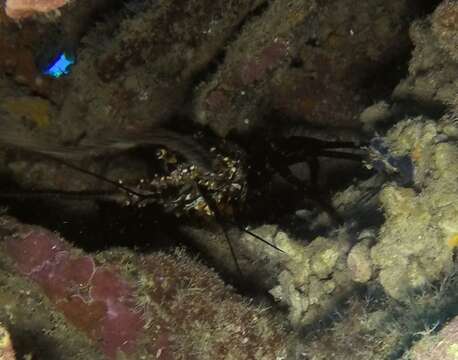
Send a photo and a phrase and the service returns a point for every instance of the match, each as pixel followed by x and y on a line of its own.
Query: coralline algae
pixel 95 299
pixel 176 309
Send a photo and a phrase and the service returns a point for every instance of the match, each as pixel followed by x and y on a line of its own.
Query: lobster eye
pixel 161 153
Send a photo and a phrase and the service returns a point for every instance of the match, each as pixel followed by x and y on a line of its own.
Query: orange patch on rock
pixel 416 153
pixel 452 241
pixel 21 9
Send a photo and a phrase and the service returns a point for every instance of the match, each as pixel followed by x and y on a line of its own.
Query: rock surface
pixel 365 277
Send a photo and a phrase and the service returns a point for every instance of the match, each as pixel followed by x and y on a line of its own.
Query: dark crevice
pixel 414 107
pixel 380 81
pixel 296 63
pixel 313 42
pixel 98 226
pixel 423 7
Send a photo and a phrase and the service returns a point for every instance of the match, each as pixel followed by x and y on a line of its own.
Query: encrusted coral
pixel 232 66
pixel 445 27
pixel 413 248
pixel 442 345
pixel 176 308
pixel 359 262
pixel 303 66
pixel 315 278
pixel 431 81
pixel 96 299
pixel 142 71
pixel 310 279
pixel 201 318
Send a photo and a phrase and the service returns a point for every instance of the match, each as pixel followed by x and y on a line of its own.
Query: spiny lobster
pixel 207 181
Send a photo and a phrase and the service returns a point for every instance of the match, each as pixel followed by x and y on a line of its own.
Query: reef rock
pixel 416 243
pixel 442 345
pixel 432 84
pixel 166 306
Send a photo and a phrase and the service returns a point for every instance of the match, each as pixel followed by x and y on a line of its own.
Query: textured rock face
pixel 440 346
pixel 96 299
pixel 311 66
pixel 359 263
pixel 308 279
pixel 415 245
pixel 235 68
pixel 144 71
pixel 445 27
pixel 432 81
pixel 229 65
pixel 167 306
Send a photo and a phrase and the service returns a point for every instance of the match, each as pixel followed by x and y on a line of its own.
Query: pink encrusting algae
pixel 94 298
pixel 154 306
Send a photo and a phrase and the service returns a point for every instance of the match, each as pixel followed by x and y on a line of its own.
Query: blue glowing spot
pixel 382 160
pixel 61 66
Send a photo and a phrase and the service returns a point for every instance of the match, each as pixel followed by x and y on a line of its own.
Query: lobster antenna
pixel 256 236
pixel 213 207
pixel 95 175
pixel 86 172
pixel 221 222
pixel 70 195
pixel 11 137
pixel 231 248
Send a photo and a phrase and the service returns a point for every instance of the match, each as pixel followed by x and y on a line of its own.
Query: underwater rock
pixel 35 109
pixel 32 47
pixel 167 306
pixel 375 114
pixel 304 61
pixel 205 317
pixel 17 47
pixel 35 326
pixel 413 248
pixel 308 278
pixel 6 345
pixel 137 70
pixel 79 288
pixel 445 27
pixel 431 84
pixel 442 345
pixel 312 277
pixel 359 262
pixel 357 332
pixel 259 263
